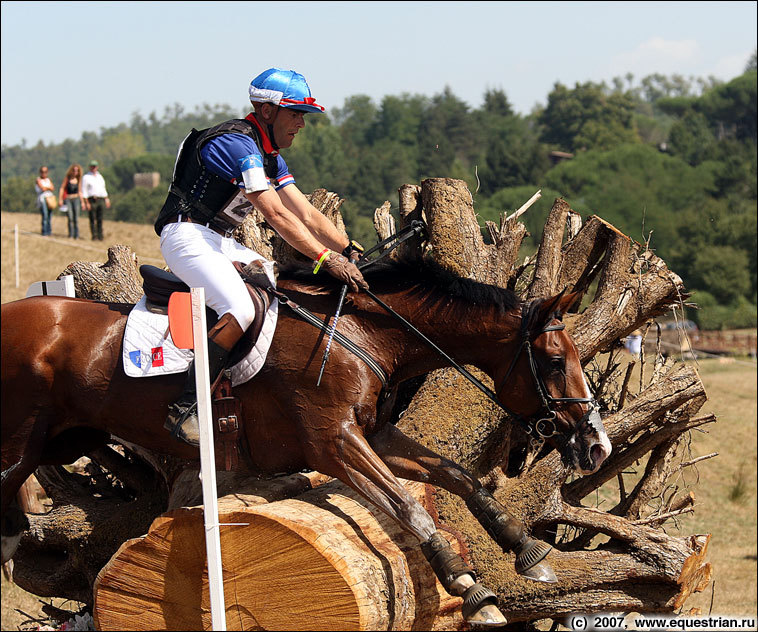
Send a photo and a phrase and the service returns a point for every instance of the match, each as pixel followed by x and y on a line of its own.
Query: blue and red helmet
pixel 285 88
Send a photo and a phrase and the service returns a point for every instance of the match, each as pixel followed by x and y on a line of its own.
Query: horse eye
pixel 557 364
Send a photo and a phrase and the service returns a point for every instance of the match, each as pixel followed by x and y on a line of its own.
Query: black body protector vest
pixel 202 195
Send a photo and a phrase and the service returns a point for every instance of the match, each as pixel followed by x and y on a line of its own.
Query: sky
pixel 71 67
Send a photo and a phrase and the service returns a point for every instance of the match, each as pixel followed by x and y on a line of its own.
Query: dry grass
pixel 44 258
pixel 725 487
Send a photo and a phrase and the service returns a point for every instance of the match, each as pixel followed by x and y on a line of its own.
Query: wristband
pixel 321 258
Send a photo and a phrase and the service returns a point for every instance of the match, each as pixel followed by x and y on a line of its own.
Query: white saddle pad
pixel 149 351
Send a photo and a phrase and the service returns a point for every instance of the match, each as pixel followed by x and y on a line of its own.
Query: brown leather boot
pixel 182 418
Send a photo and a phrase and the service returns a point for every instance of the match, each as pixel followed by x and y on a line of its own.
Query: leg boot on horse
pixel 182 418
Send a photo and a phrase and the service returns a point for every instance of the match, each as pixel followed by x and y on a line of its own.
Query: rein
pixel 544 427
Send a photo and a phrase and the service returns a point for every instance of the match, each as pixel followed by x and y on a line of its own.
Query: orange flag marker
pixel 180 319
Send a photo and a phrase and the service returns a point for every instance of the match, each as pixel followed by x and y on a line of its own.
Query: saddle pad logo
pixel 141 358
pixel 136 358
pixel 157 356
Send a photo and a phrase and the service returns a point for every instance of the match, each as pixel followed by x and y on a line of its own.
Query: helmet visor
pixel 306 104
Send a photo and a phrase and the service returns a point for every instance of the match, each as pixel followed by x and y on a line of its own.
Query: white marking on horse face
pixel 600 443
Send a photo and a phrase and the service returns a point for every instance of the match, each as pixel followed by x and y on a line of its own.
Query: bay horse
pixel 64 392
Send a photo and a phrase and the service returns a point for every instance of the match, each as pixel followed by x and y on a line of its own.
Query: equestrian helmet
pixel 285 88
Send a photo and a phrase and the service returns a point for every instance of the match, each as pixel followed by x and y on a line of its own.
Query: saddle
pixel 158 286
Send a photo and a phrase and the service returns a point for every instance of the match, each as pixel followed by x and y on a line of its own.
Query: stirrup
pixel 181 416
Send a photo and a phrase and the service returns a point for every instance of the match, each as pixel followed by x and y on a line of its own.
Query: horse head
pixel 546 391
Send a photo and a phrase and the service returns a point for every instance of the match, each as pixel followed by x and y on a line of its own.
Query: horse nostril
pixel 597 454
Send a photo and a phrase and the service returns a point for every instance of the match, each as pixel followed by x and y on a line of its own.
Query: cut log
pixel 117 280
pixel 324 560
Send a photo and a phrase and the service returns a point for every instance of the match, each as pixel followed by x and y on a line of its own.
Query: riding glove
pixel 353 251
pixel 340 268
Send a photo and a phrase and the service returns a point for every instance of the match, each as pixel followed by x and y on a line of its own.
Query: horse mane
pixel 390 276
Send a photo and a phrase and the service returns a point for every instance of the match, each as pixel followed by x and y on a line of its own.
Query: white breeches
pixel 201 257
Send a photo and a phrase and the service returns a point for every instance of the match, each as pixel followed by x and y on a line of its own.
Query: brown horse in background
pixel 64 392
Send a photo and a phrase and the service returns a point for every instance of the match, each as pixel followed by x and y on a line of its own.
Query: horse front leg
pixel 22 451
pixel 408 459
pixel 356 464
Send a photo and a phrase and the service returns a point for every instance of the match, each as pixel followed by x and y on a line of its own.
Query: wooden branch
pixel 547 267
pixel 625 299
pixel 455 239
pixel 657 470
pixel 524 207
pixel 256 234
pixel 660 518
pixel 65 548
pixel 117 280
pixel 384 223
pixel 581 255
pixel 328 204
pixel 410 209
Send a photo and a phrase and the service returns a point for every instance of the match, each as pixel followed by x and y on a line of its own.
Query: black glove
pixel 340 268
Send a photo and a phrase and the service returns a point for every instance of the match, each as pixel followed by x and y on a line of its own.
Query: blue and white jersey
pixel 236 158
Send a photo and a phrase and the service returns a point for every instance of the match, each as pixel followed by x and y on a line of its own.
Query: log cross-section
pixel 324 560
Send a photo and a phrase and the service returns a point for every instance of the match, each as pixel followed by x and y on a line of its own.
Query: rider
pixel 219 173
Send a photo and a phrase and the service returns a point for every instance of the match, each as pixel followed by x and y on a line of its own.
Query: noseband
pixel 541 425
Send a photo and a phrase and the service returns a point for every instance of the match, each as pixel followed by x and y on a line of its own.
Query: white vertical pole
pixel 15 242
pixel 207 461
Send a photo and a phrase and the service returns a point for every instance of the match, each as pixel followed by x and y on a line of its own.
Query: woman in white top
pixel 44 188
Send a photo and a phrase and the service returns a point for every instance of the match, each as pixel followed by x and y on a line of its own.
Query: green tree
pixel 445 133
pixel 691 137
pixel 18 195
pixel 140 206
pixel 122 171
pixel 587 117
pixel 118 144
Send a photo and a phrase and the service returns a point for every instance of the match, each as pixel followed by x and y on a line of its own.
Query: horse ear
pixel 566 301
pixel 557 305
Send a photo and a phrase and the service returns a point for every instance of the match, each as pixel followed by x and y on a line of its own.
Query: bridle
pixel 541 425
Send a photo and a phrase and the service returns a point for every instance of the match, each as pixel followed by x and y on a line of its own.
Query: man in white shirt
pixel 95 198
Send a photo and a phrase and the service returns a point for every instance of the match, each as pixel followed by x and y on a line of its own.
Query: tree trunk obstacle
pixel 304 552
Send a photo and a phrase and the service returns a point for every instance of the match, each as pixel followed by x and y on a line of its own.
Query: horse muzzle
pixel 589 446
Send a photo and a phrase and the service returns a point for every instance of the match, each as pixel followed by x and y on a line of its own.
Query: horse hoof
pixel 488 616
pixel 480 607
pixel 540 572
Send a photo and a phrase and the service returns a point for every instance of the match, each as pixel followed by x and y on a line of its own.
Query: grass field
pixel 724 487
pixel 44 258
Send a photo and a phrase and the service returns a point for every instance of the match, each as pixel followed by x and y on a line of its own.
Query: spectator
pixel 71 188
pixel 95 197
pixel 633 343
pixel 44 188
